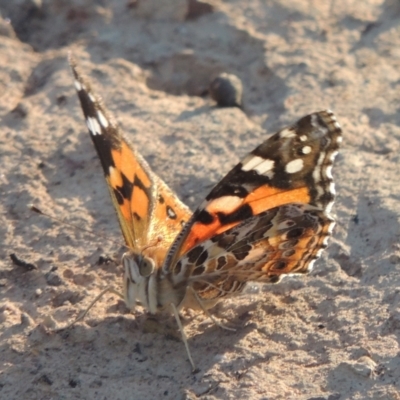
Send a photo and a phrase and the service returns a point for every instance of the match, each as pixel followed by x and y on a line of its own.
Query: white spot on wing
pixel 294 166
pixel 251 162
pixel 332 188
pixel 328 172
pixel 224 204
pixel 336 125
pixel 325 243
pixel 261 165
pixel 78 85
pixel 91 97
pixel 171 213
pixel 310 265
pixel 306 150
pixel 115 176
pixel 89 124
pixel 102 119
pixel 285 225
pixel 328 207
pixel 286 133
pixel 303 138
pixel 330 227
pixel 93 126
pixel 317 170
pixel 333 155
pixel 264 167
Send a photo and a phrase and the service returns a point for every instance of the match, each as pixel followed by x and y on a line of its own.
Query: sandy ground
pixel 333 334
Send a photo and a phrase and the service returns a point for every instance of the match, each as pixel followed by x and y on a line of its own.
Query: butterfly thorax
pixel 145 284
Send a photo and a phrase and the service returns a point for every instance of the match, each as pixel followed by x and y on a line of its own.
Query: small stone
pixel 227 90
pixel 64 297
pixel 104 260
pixel 73 383
pixel 166 10
pixel 49 322
pixel 394 259
pixel 44 379
pixel 6 29
pixel 26 320
pixel 21 110
pixel 61 100
pixel 38 292
pixel 53 279
pixel 197 8
pixel 364 366
pixel 84 279
pixel 187 395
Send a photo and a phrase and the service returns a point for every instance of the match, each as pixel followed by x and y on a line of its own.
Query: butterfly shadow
pixel 211 344
pixel 114 345
pixel 142 342
pixel 185 115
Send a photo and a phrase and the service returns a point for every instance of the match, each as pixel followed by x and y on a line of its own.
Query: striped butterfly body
pixel 268 217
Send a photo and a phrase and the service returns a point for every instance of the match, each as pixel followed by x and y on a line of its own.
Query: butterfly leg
pixel 184 338
pixel 208 314
pixel 96 299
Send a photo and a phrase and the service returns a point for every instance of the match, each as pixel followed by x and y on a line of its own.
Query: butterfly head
pixel 139 281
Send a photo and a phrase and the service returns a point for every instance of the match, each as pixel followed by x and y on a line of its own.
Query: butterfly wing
pixel 283 240
pixel 273 210
pixel 146 208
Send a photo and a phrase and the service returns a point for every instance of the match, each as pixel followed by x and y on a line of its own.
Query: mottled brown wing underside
pixel 280 241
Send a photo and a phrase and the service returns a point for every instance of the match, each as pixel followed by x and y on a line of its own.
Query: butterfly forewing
pixel 289 174
pixel 147 210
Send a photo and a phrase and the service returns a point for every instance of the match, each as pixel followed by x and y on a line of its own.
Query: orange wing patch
pixel 170 215
pixel 265 198
pixel 262 199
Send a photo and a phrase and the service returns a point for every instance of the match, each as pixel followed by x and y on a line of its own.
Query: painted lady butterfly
pixel 268 217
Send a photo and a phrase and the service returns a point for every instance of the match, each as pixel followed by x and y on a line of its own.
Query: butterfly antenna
pixel 79 228
pixel 155 243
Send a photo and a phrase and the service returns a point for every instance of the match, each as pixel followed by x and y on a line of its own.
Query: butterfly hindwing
pixel 147 209
pixel 283 240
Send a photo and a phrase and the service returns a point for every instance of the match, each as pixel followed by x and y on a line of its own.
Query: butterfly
pixel 270 216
